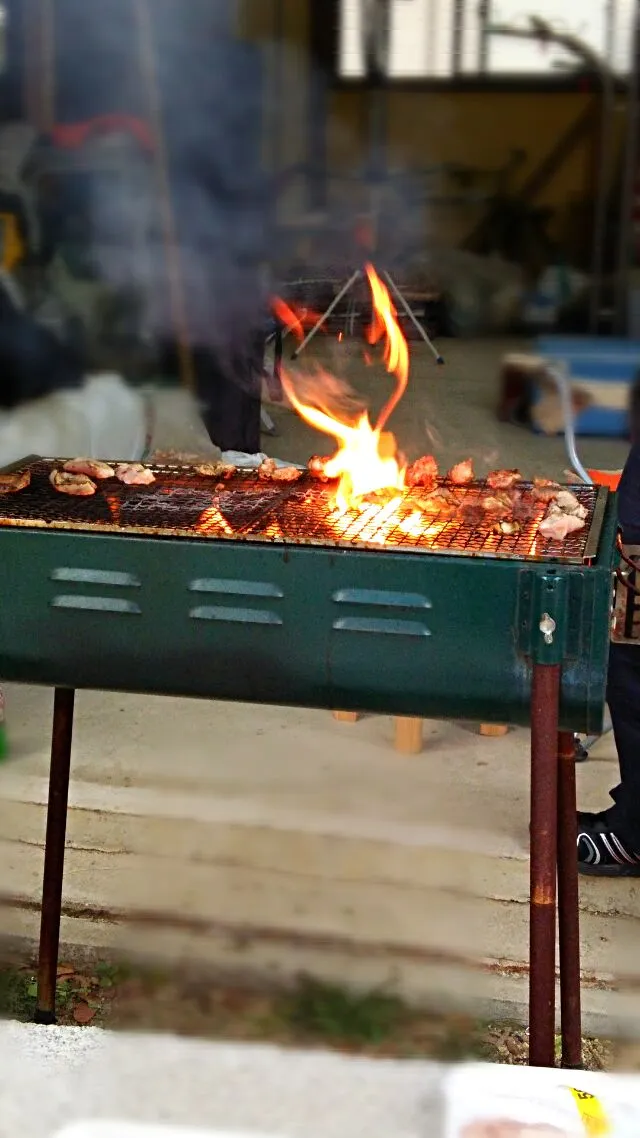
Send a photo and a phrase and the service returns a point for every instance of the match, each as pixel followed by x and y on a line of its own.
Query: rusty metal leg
pixel 543 840
pixel 54 854
pixel 568 904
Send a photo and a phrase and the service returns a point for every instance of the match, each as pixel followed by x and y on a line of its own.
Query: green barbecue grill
pixel 266 592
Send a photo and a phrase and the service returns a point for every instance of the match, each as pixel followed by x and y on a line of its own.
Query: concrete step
pixel 262 856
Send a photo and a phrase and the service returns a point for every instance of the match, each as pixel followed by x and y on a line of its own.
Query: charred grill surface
pixel 183 503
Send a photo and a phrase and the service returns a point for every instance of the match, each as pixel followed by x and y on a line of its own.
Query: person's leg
pixel 609 842
pixel 230 395
pixel 623 697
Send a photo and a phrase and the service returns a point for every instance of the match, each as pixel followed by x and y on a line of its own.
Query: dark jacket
pixel 629 498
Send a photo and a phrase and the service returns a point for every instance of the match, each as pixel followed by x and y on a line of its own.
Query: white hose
pixel 559 374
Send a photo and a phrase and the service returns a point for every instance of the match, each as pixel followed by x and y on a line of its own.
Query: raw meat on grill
pixel 134 474
pixel 569 504
pixel 503 479
pixel 92 467
pixel 559 526
pixel 14 480
pixel 77 485
pixel 461 473
pixel 578 511
pixel 216 469
pixel 422 472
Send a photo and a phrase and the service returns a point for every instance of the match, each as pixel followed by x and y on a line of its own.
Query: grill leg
pixel 54 854
pixel 543 838
pixel 568 905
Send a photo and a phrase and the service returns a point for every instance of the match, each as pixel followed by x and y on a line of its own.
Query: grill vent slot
pixel 233 588
pixel 235 615
pixel 96 577
pixel 381 626
pixel 96 604
pixel 381 598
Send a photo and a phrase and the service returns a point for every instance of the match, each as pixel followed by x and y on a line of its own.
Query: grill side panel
pixel 435 637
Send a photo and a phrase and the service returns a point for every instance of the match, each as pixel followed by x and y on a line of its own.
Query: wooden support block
pixel 408 739
pixel 494 730
pixel 346 716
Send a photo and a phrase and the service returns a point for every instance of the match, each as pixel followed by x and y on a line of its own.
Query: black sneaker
pixel 601 853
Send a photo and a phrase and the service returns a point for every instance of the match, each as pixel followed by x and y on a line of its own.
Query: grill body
pixel 473 631
pixel 392 632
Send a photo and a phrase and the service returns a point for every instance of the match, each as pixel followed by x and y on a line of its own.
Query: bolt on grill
pixel 183 503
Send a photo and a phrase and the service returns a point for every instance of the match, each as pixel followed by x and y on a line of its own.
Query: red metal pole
pixel 59 772
pixel 545 695
pixel 568 904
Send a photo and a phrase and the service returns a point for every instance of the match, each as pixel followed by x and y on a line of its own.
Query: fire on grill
pixel 363 495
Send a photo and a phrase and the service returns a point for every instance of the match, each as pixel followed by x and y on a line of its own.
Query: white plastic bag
pixel 487 1101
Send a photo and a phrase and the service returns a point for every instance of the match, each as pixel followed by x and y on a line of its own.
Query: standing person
pixel 609 841
pixel 222 204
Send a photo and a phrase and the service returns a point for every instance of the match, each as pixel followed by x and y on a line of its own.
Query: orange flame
pixel 366 461
pixel 294 317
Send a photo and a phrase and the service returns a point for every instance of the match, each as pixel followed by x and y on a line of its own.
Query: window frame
pixel 325 20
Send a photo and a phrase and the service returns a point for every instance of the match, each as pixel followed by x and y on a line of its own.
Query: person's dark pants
pixel 230 396
pixel 229 389
pixel 623 697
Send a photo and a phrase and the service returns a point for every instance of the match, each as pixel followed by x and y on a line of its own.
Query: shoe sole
pixel 609 870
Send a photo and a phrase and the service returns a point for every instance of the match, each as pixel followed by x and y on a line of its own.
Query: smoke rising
pixel 212 94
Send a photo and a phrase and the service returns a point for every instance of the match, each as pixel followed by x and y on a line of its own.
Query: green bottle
pixel 4 745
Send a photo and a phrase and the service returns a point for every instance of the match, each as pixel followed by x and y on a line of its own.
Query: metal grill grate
pixel 182 503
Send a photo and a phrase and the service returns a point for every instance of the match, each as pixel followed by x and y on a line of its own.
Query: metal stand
pixel 545 696
pixel 54 854
pixel 569 905
pixel 553 851
pixel 355 277
pixel 554 857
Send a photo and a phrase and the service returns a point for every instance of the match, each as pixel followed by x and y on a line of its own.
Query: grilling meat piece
pixel 77 485
pixel 92 467
pixel 266 469
pixel 503 479
pixel 16 480
pixel 269 472
pixel 558 526
pixel 569 504
pixel 507 526
pixel 423 472
pixel 134 474
pixel 461 473
pixel 497 504
pixel 473 515
pixel 286 474
pixel 524 509
pixel 438 501
pixel 544 490
pixel 317 467
pixel 579 511
pixel 216 469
